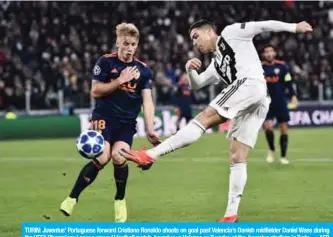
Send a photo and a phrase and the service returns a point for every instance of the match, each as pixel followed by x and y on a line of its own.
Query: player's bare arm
pixel 100 89
pixel 149 114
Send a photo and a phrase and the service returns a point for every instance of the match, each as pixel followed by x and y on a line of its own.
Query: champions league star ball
pixel 90 144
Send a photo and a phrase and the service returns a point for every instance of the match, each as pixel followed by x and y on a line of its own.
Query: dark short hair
pixel 268 46
pixel 199 24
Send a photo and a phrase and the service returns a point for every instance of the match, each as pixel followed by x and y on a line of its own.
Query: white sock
pixel 184 137
pixel 237 182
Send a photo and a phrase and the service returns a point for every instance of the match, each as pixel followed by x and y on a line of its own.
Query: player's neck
pixel 124 59
pixel 270 62
pixel 214 42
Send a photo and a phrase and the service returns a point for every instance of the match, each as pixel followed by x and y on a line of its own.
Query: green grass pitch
pixel 189 185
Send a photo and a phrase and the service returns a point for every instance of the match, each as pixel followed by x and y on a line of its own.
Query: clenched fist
pixel 193 64
pixel 303 27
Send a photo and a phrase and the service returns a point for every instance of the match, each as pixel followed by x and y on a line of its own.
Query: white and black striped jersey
pixel 236 56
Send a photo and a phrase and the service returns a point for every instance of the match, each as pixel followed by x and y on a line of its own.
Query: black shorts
pixel 281 113
pixel 184 111
pixel 183 107
pixel 114 130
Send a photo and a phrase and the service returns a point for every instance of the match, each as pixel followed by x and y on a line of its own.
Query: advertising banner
pixel 34 127
pixel 165 123
pixel 311 116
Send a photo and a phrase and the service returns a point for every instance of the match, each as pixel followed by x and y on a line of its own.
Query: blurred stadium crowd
pixel 46 46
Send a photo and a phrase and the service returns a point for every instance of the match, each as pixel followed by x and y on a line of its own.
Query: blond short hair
pixel 127 29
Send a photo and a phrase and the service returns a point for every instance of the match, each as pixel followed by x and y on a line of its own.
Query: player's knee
pixel 269 129
pixel 284 128
pixel 117 158
pixel 233 156
pixel 284 132
pixel 104 158
pixel 237 156
pixel 268 126
pixel 209 118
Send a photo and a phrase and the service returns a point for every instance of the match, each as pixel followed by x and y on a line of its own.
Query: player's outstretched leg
pixel 237 179
pixel 184 137
pixel 120 176
pixel 269 132
pixel 86 177
pixel 284 143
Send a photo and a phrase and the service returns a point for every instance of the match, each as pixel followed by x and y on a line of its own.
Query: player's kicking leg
pixel 86 177
pixel 243 132
pixel 191 133
pixel 184 137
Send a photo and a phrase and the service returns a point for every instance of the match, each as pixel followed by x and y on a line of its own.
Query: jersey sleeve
pixel 101 70
pixel 248 30
pixel 148 80
pixel 287 75
pixel 207 77
pixel 211 74
pixel 288 81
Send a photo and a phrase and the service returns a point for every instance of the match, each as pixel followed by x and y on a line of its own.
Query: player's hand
pixel 294 101
pixel 128 74
pixel 153 138
pixel 293 104
pixel 303 27
pixel 193 64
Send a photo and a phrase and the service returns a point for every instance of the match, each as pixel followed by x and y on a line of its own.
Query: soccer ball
pixel 90 144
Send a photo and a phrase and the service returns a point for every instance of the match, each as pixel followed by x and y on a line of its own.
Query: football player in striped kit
pixel 245 100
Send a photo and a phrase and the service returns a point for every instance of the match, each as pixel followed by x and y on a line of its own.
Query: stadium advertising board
pixel 165 120
pixel 311 116
pixel 165 123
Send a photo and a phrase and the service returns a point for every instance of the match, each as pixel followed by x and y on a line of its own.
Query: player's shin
pixel 270 139
pixel 237 182
pixel 87 175
pixel 120 177
pixel 238 176
pixel 184 137
pixel 283 145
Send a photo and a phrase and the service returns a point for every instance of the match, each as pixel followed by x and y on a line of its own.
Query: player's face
pixel 201 38
pixel 269 54
pixel 184 80
pixel 127 46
